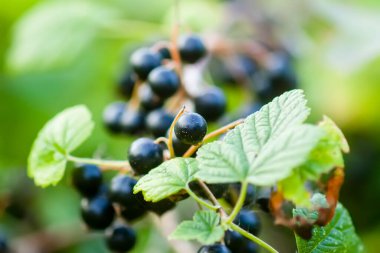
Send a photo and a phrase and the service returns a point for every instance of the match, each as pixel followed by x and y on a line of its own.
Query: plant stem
pixel 253 238
pixel 161 139
pixel 240 202
pixel 211 135
pixel 211 197
pixel 104 164
pixel 171 129
pixel 201 201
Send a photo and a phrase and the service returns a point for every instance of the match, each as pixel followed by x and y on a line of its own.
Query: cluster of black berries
pixel 235 242
pixel 101 204
pixel 152 81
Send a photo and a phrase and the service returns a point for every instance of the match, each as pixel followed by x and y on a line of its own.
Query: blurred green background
pixel 59 53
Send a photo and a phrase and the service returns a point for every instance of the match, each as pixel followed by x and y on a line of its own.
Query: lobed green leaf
pixel 60 136
pixel 167 179
pixel 205 227
pixel 337 236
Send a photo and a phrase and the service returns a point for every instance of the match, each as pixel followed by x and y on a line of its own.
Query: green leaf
pixel 293 188
pixel 60 136
pixel 55 33
pixel 328 152
pixel 167 179
pixel 337 236
pixel 265 148
pixel 205 227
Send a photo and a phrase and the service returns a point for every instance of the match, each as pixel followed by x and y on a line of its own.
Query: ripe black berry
pixel 144 155
pixel 263 196
pixel 164 52
pixel 215 248
pixel 126 84
pixel 191 128
pixel 211 104
pixel 249 221
pixel 132 121
pixel 148 100
pixel 191 48
pixel 217 189
pixel 97 212
pixel 179 147
pixel 143 61
pixel 112 115
pixel 87 179
pixel 158 122
pixel 161 206
pixel 120 238
pixel 132 213
pixel 238 243
pixel 164 81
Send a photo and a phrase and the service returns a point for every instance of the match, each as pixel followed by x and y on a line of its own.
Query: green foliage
pixel 265 148
pixel 54 33
pixel 167 179
pixel 337 236
pixel 60 136
pixel 205 227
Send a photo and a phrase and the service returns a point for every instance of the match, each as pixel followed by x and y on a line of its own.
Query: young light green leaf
pixel 248 151
pixel 293 188
pixel 337 236
pixel 205 227
pixel 328 152
pixel 60 136
pixel 167 179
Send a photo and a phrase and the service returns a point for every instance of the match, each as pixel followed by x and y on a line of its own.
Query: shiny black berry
pixel 97 212
pixel 164 52
pixel 87 179
pixel 179 147
pixel 132 121
pixel 126 84
pixel 120 238
pixel 263 196
pixel 211 104
pixel 148 100
pixel 143 61
pixel 158 122
pixel 249 221
pixel 215 248
pixel 191 128
pixel 164 81
pixel 112 115
pixel 191 48
pixel 132 213
pixel 144 155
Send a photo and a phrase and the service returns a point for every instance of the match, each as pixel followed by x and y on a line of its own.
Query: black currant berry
pixel 133 212
pixel 164 52
pixel 238 243
pixel 164 81
pixel 215 248
pixel 143 61
pixel 191 128
pixel 132 121
pixel 191 48
pixel 158 122
pixel 87 179
pixel 211 104
pixel 249 221
pixel 179 147
pixel 126 84
pixel 121 190
pixel 161 206
pixel 263 196
pixel 120 238
pixel 144 155
pixel 148 100
pixel 97 212
pixel 112 115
